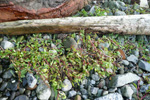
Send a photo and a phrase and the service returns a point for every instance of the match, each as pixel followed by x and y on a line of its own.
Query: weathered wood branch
pixel 131 24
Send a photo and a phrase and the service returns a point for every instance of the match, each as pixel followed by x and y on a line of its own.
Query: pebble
pixel 133 59
pixel 6 44
pixel 8 74
pixel 111 96
pixel 84 91
pixel 94 90
pixel 66 85
pixel 31 80
pixel 72 93
pixel 105 93
pixel 43 91
pixel 144 65
pixel 120 13
pixel 125 62
pixel 120 80
pixel 3 86
pixel 127 91
pixel 99 92
pixel 112 90
pixel 21 97
pixel 70 42
pixel 95 77
pixel 12 95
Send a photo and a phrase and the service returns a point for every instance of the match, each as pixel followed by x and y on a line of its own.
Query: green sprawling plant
pixel 54 67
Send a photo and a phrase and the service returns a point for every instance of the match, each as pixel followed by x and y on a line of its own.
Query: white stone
pixel 43 91
pixel 6 44
pixel 132 58
pixel 144 4
pixel 66 85
pixel 120 80
pixel 127 91
pixel 111 96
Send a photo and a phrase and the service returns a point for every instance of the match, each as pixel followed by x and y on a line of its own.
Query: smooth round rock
pixel 21 97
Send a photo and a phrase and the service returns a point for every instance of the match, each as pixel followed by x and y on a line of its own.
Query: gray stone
pixel 111 96
pixel 70 42
pixel 84 82
pixel 92 10
pixel 72 93
pixel 92 82
pixel 94 90
pixel 8 74
pixel 127 91
pixel 101 83
pixel 120 13
pixel 111 90
pixel 120 80
pixel 105 93
pixel 121 70
pixel 125 62
pixel 6 44
pixel 144 88
pixel 21 97
pixel 84 91
pixel 133 59
pixel 84 97
pixel 66 85
pixel 13 86
pixel 3 86
pixel 99 92
pixel 22 90
pixel 12 95
pixel 103 45
pixel 31 80
pixel 43 91
pixel 3 98
pixel 144 65
pixel 95 77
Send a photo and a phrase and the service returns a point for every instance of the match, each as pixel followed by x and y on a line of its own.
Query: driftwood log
pixel 131 24
pixel 11 10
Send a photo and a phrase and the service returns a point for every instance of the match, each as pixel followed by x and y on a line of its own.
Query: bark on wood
pixel 132 24
pixel 11 10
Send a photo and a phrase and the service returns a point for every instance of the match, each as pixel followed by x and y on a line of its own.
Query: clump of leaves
pixel 55 67
pixel 98 12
